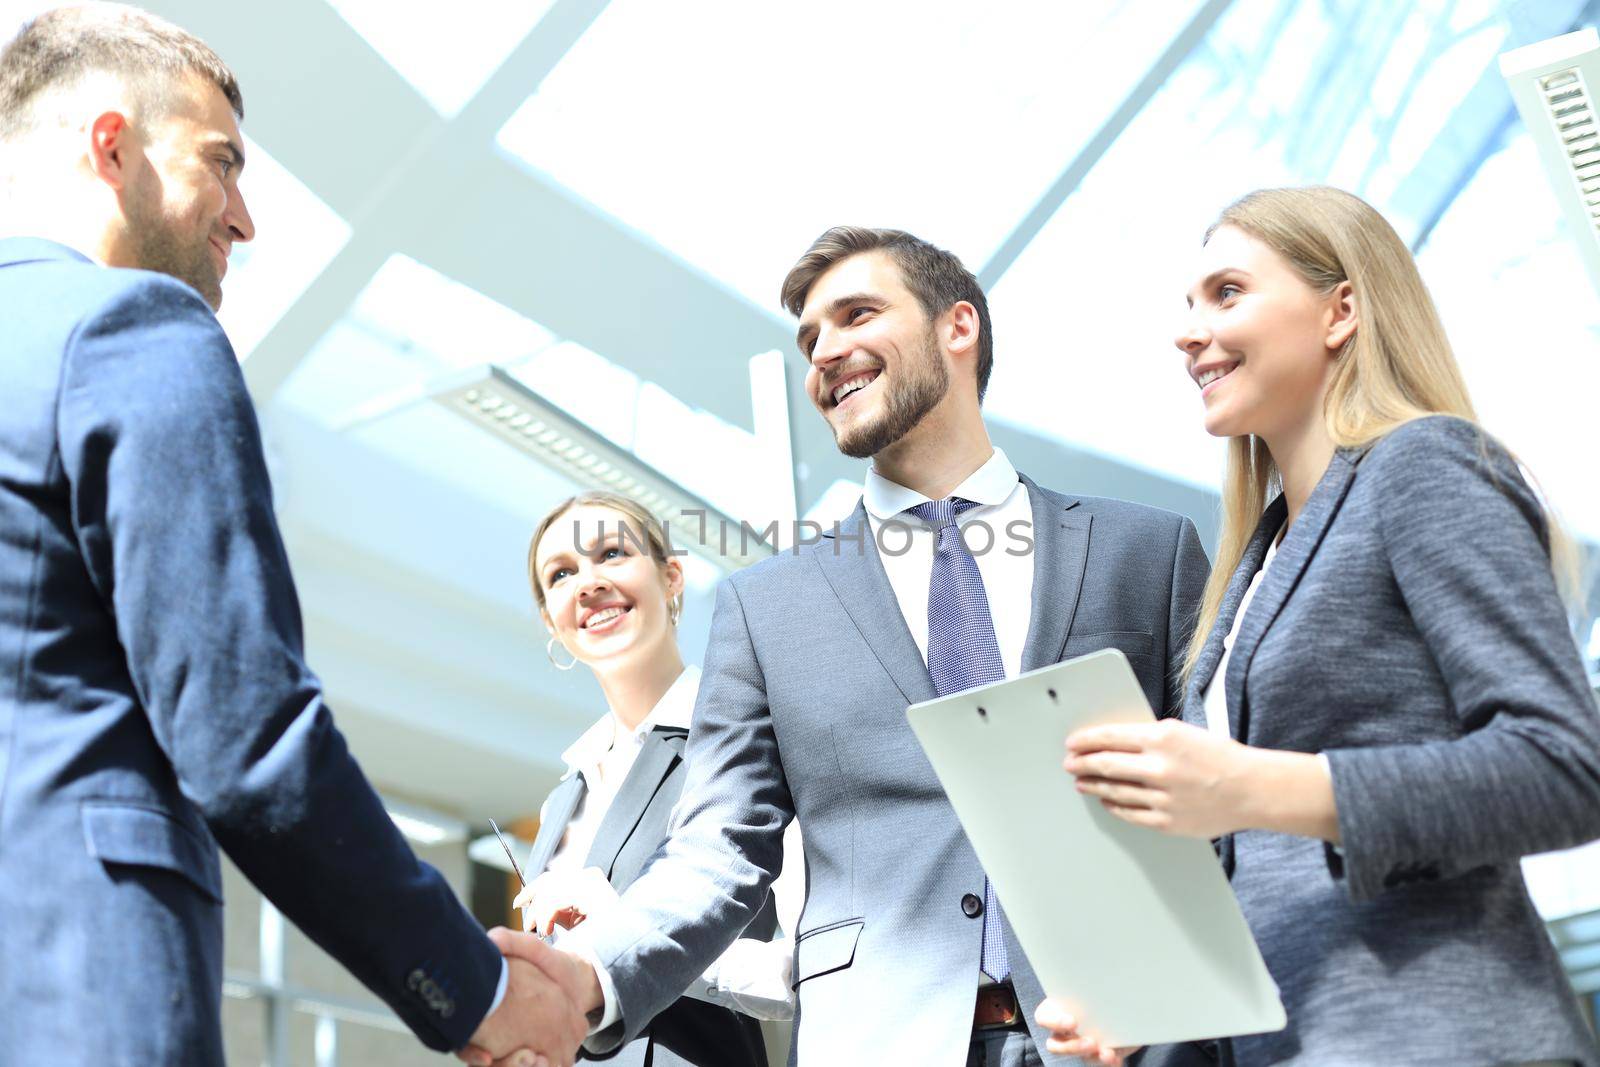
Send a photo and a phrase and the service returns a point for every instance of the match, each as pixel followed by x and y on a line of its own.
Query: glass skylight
pixel 447 54
pixel 1279 93
pixel 408 326
pixel 735 148
pixel 1524 320
pixel 412 325
pixel 1564 883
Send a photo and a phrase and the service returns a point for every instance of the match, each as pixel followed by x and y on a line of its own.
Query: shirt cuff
pixel 611 1012
pixel 753 977
pixel 500 989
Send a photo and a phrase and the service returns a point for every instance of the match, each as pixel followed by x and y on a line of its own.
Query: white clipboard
pixel 1135 930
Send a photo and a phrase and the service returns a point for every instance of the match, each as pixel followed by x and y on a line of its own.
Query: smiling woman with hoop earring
pixel 610 593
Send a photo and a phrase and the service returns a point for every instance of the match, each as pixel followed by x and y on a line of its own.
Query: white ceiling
pixel 608 194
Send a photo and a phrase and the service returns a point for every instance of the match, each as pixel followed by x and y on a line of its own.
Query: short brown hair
pixel 655 535
pixel 61 47
pixel 935 277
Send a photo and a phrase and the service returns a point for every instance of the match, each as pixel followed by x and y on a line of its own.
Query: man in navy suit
pixel 154 699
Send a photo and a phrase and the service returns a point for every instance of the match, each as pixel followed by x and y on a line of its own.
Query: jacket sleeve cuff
pixel 605 1033
pixel 1376 854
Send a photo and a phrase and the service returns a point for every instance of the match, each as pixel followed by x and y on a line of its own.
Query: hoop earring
pixel 550 654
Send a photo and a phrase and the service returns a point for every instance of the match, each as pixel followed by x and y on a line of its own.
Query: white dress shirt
pixel 752 976
pixel 999 533
pixel 1215 707
pixel 604 755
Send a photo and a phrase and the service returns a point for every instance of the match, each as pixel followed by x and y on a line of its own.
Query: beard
pixel 916 390
pixel 159 245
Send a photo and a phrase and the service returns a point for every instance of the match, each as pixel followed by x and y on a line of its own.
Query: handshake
pixel 544 1016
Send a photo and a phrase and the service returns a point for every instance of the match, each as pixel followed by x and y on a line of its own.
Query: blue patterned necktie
pixel 963 654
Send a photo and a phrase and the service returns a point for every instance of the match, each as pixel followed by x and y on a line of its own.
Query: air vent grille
pixel 1550 83
pixel 1571 109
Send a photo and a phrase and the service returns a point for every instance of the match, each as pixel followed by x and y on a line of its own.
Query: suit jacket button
pixel 971 906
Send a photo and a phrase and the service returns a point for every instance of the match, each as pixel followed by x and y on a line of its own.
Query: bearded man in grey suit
pixel 952 562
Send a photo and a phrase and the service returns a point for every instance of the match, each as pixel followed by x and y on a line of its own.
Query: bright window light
pixel 1564 883
pixel 1506 274
pixel 447 54
pixel 504 406
pixel 423 825
pixel 411 326
pixel 836 502
pixel 449 325
pixel 601 393
pixel 781 124
pixel 1276 95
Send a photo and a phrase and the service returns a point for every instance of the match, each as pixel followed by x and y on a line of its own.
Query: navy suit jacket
pixel 155 701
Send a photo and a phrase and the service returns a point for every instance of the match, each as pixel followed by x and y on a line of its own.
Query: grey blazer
pixel 802 713
pixel 1410 628
pixel 689 1033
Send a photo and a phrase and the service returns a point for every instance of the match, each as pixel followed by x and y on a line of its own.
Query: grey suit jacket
pixel 802 712
pixel 689 1033
pixel 1411 629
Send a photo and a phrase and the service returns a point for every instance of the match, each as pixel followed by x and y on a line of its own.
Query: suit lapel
pixel 558 813
pixel 857 578
pixel 1299 545
pixel 1060 552
pixel 663 747
pixel 1211 654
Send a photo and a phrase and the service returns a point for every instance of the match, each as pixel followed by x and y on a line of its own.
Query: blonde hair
pixel 655 537
pixel 1397 366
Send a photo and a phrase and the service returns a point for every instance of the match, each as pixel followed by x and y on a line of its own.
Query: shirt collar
pixel 990 484
pixel 675 708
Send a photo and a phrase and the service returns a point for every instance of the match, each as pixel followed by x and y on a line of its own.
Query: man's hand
pixel 572 972
pixel 1065 1040
pixel 564 898
pixel 539 1023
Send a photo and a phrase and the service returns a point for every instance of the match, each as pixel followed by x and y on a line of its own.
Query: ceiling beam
pixel 1177 50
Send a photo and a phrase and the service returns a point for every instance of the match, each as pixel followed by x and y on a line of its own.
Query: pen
pixel 547 939
pixel 513 860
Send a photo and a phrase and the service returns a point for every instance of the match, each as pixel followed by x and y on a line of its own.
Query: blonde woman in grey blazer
pixel 1385 709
